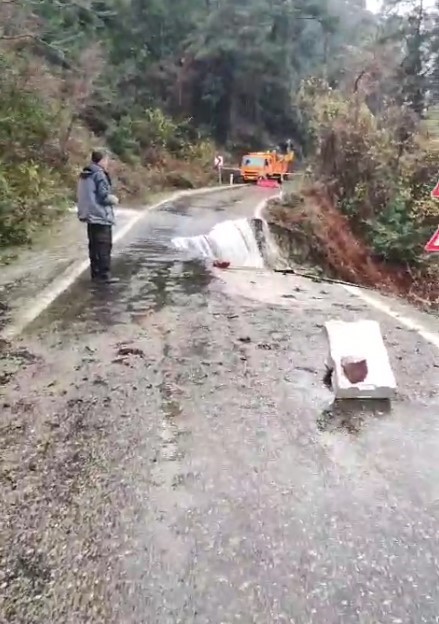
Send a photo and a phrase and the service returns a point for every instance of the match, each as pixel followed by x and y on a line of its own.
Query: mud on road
pixel 169 452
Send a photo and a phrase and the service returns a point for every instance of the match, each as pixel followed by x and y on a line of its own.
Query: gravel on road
pixel 181 461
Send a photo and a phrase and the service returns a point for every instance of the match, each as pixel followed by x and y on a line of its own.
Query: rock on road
pixel 169 453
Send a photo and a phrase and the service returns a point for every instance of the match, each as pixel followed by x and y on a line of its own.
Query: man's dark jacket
pixel 94 190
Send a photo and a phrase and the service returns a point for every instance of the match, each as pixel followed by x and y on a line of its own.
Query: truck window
pixel 253 161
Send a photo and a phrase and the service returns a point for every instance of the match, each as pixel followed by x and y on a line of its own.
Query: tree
pixel 409 25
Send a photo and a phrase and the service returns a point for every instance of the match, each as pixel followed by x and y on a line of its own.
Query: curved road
pixel 169 453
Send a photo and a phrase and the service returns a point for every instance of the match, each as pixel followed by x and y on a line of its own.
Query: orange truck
pixel 266 165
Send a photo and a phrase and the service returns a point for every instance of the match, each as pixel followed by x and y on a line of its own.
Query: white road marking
pixel 54 290
pixel 263 204
pixel 119 211
pixel 429 336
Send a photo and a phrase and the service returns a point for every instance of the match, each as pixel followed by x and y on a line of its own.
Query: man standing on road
pixel 96 208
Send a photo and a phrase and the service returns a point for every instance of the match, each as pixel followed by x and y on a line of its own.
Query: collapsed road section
pixel 170 452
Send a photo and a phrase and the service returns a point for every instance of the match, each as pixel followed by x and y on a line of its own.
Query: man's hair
pixel 97 156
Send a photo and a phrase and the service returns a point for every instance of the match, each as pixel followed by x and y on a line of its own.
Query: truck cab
pixel 268 165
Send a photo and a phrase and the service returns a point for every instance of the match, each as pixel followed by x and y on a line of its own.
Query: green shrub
pixel 150 135
pixel 29 189
pixel 394 235
pixel 30 196
pixel 155 130
pixel 121 139
pixel 379 170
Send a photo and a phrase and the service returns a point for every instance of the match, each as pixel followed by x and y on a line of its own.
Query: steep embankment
pixel 311 231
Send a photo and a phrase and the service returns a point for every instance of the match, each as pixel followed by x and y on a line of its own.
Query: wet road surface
pixel 169 453
pixel 55 251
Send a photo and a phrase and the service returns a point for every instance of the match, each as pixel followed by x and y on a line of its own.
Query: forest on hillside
pixel 229 70
pixel 162 83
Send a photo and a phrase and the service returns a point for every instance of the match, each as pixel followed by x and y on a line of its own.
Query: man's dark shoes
pixel 106 279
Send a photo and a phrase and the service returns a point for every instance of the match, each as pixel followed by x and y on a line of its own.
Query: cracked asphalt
pixel 170 454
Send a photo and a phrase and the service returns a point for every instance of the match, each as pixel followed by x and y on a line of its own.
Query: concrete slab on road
pixel 358 347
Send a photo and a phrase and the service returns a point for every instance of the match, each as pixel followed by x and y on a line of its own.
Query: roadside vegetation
pixel 364 211
pixel 43 143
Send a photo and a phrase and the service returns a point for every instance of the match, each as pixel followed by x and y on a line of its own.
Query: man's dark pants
pixel 100 242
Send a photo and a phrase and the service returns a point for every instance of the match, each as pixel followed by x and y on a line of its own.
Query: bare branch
pixel 18 37
pixel 358 80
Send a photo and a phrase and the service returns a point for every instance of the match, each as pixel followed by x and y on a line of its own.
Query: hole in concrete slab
pixel 327 378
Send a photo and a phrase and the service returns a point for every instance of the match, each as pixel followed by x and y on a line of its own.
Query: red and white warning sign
pixel 435 192
pixel 219 162
pixel 433 244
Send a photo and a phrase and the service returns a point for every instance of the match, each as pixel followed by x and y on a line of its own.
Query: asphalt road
pixel 169 453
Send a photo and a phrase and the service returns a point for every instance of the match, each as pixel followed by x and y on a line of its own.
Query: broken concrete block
pixel 359 361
